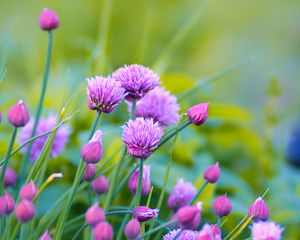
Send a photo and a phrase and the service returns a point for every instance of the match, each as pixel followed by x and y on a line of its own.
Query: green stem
pixel 23 232
pixel 133 107
pixel 242 228
pixel 199 192
pixel 24 163
pixel 80 170
pixel 6 159
pixel 139 186
pixel 219 221
pixel 124 221
pixel 178 234
pixel 7 228
pixel 79 231
pixel 236 227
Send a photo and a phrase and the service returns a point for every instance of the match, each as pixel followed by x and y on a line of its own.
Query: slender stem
pixel 219 221
pixel 236 227
pixel 24 163
pixel 6 159
pixel 139 186
pixel 119 212
pixel 7 228
pixel 133 107
pixel 199 192
pixel 163 225
pixel 23 232
pixel 79 231
pixel 125 220
pixel 242 228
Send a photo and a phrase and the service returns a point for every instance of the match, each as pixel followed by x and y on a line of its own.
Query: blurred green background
pixel 252 108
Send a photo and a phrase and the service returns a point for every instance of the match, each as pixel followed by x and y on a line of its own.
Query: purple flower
pixel 89 173
pixel 7 204
pixel 28 191
pixel 137 80
pixel 210 232
pixel 266 231
pixel 25 211
pixel 45 125
pixel 100 185
pixel 94 215
pixel 259 210
pixel 132 229
pixel 184 235
pixel 48 20
pixel 159 105
pixel 181 195
pixel 103 231
pixel 141 137
pixel 222 206
pixel 143 213
pixel 146 183
pixel 104 93
pixel 18 114
pixel 10 177
pixel 198 114
pixel 189 216
pixel 91 152
pixel 212 173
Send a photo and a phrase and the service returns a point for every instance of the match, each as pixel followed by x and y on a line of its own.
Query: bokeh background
pixel 251 48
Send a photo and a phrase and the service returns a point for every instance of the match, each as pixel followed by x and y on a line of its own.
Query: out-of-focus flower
pixel 209 232
pixel 45 125
pixel 141 137
pixel 94 215
pixel 132 229
pixel 198 114
pixel 0 117
pixel 103 231
pixel 181 195
pixel 28 191
pixel 7 204
pixel 89 173
pixel 137 80
pixel 91 152
pixel 10 177
pixel 18 114
pixel 259 210
pixel 45 236
pixel 48 20
pixel 212 173
pixel 100 185
pixel 189 216
pixel 266 231
pixel 104 93
pixel 143 213
pixel 25 211
pixel 222 206
pixel 184 235
pixel 146 183
pixel 159 105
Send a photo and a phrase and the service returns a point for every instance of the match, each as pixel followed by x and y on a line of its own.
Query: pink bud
pixel 100 185
pixel 89 173
pixel 28 191
pixel 189 216
pixel 25 211
pixel 18 115
pixel 94 215
pixel 198 114
pixel 259 210
pixel 212 173
pixel 143 213
pixel 132 229
pixel 146 183
pixel 7 204
pixel 48 20
pixel 222 206
pixel 10 177
pixel 103 231
pixel 45 236
pixel 92 151
pixel 0 117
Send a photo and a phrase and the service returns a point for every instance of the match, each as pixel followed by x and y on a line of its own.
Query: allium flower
pixel 189 216
pixel 25 211
pixel 212 173
pixel 181 195
pixel 28 191
pixel 94 215
pixel 141 137
pixel 10 177
pixel 48 20
pixel 159 105
pixel 143 213
pixel 266 231
pixel 103 231
pixel 137 80
pixel 18 114
pixel 45 125
pixel 104 93
pixel 91 152
pixel 184 235
pixel 132 229
pixel 100 185
pixel 222 206
pixel 209 232
pixel 7 204
pixel 89 173
pixel 198 114
pixel 146 183
pixel 259 210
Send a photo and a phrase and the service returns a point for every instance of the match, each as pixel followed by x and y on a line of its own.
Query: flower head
pixel 212 173
pixel 189 216
pixel 132 229
pixel 181 195
pixel 45 125
pixel 137 80
pixel 209 232
pixel 89 173
pixel 146 183
pixel 10 177
pixel 103 231
pixel 141 136
pixel 104 93
pixel 94 215
pixel 48 20
pixel 259 210
pixel 28 191
pixel 222 206
pixel 266 231
pixel 143 213
pixel 91 152
pixel 184 235
pixel 100 185
pixel 25 211
pixel 18 114
pixel 198 114
pixel 7 204
pixel 159 105
pixel 45 236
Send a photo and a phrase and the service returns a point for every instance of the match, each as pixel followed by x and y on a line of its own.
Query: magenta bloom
pixel 100 185
pixel 89 173
pixel 103 231
pixel 181 195
pixel 184 235
pixel 18 114
pixel 259 210
pixel 137 80
pixel 45 236
pixel 266 231
pixel 210 232
pixel 28 191
pixel 141 137
pixel 7 204
pixel 198 114
pixel 10 177
pixel 104 93
pixel 132 229
pixel 91 152
pixel 146 183
pixel 159 105
pixel 94 215
pixel 48 20
pixel 189 216
pixel 45 125
pixel 143 213
pixel 212 173
pixel 25 211
pixel 222 206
